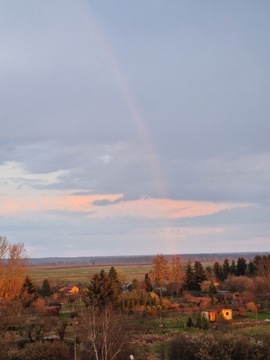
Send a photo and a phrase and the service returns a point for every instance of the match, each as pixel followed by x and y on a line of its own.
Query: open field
pixel 57 274
pixel 79 269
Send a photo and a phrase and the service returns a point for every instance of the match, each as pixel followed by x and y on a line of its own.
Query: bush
pixel 44 351
pixel 232 346
pixel 189 322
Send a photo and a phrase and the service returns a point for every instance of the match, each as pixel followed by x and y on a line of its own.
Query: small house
pixel 210 315
pixel 227 314
pixel 213 314
pixel 70 290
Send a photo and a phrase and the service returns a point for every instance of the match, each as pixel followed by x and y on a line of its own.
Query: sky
pixel 135 127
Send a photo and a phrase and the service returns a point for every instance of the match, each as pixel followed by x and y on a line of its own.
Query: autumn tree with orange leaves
pixel 12 268
pixel 160 273
pixel 177 274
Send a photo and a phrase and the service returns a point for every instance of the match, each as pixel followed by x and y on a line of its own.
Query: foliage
pixel 241 267
pixel 177 274
pixel 219 346
pixel 189 277
pixel 251 268
pixel 238 284
pixel 218 271
pixel 62 328
pixel 262 264
pixel 226 268
pixel 104 290
pixel 189 322
pixel 233 268
pixel 199 275
pixel 148 283
pixel 212 291
pixel 12 268
pixel 46 290
pixel 28 293
pixel 160 273
pixel 194 276
pixel 101 329
pixel 32 328
pixel 44 351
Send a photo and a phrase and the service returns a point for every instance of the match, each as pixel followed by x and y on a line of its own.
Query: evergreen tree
pixel 233 268
pixel 104 290
pixel 148 283
pixel 46 290
pixel 115 285
pixel 28 293
pixel 226 268
pixel 218 271
pixel 241 267
pixel 189 277
pixel 209 273
pixel 199 275
pixel 251 268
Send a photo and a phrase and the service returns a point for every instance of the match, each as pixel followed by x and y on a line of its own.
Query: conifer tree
pixel 251 268
pixel 189 277
pixel 46 290
pixel 218 271
pixel 199 275
pixel 241 267
pixel 28 293
pixel 148 283
pixel 233 268
pixel 104 290
pixel 226 269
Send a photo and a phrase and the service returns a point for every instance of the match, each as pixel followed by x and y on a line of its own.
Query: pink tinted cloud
pixel 147 208
pixel 166 208
pixel 10 205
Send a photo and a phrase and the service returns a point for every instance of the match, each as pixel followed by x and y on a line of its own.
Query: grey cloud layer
pixel 198 73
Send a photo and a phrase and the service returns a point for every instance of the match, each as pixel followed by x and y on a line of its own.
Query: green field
pixel 82 274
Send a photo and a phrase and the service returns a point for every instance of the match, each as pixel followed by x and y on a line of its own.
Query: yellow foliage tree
pixel 12 268
pixel 177 274
pixel 160 273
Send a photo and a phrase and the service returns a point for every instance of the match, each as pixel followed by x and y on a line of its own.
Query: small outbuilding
pixel 213 314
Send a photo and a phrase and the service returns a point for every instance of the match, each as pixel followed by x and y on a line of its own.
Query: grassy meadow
pixel 75 274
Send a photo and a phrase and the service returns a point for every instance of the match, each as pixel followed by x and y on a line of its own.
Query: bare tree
pixel 263 265
pixel 102 333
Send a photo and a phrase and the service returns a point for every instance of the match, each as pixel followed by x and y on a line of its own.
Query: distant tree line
pixel 177 278
pixel 259 266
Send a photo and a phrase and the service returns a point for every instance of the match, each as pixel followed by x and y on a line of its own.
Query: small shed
pixel 227 314
pixel 212 314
